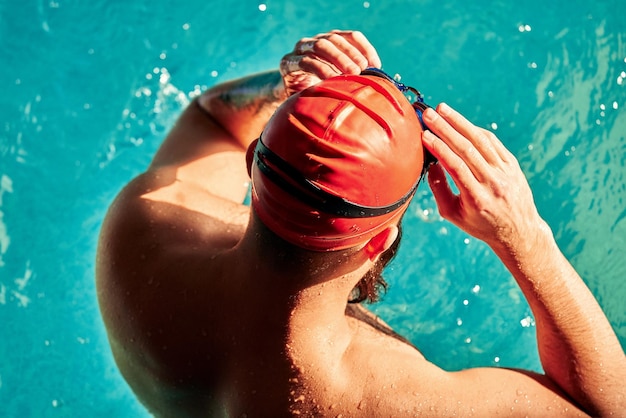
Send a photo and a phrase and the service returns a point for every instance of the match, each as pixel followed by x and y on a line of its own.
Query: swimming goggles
pixel 311 194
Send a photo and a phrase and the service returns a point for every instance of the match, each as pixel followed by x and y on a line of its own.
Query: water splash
pixel 149 114
pixel 6 186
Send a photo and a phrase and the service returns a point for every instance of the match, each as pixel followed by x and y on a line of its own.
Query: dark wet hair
pixel 371 286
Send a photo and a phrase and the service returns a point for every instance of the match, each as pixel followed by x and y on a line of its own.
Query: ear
pixel 381 242
pixel 250 156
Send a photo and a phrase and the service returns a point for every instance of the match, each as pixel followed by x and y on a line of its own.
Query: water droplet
pixel 527 322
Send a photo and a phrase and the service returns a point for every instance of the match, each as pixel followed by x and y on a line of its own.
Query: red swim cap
pixel 337 163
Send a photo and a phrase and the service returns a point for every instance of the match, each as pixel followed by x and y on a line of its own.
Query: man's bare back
pixel 205 318
pixel 201 321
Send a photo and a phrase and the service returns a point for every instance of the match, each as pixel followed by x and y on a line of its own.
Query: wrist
pixel 280 92
pixel 530 250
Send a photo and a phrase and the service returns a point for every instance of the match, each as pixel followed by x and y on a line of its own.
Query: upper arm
pixel 427 389
pixel 393 379
pixel 498 391
pixel 201 153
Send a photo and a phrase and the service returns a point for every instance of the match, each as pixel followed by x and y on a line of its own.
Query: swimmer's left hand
pixel 326 55
pixel 495 203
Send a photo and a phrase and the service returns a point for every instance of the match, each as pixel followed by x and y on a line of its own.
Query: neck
pixel 316 285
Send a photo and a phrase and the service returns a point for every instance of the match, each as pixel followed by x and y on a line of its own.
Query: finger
pixel 358 40
pixel 488 144
pixel 335 50
pixel 290 63
pixel 482 139
pixel 355 46
pixel 294 63
pixel 461 174
pixel 304 46
pixel 456 143
pixel 318 67
pixel 502 151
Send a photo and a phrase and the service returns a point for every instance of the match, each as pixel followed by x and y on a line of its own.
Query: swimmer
pixel 218 309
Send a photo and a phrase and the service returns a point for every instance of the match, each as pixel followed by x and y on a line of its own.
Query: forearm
pixel 243 106
pixel 225 118
pixel 578 348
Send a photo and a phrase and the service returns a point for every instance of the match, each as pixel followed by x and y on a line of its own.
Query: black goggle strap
pixel 296 184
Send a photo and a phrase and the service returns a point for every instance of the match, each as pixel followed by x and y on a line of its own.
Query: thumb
pixel 447 201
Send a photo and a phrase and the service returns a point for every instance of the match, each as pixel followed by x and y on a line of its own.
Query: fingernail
pixel 429 115
pixel 428 136
pixel 444 109
pixel 353 69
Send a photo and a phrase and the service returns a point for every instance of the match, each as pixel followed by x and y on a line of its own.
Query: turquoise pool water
pixel 89 88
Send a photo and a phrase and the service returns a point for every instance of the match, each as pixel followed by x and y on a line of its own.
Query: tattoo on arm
pixel 254 92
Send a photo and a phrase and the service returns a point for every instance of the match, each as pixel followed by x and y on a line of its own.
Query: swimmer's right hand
pixel 326 55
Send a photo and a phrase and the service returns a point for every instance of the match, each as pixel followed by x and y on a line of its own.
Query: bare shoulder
pixel 184 210
pixel 388 376
pixel 157 264
pixel 157 207
pixel 166 231
pixel 364 319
